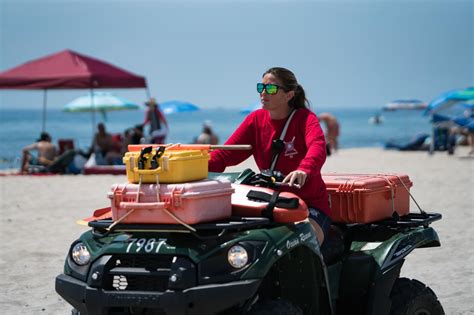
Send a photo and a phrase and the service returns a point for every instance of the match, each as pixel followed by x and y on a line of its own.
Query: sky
pixel 212 53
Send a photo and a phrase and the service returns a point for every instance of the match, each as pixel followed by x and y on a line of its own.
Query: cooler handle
pixel 148 172
pixel 143 205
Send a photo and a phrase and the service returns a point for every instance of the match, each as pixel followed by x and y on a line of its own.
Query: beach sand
pixel 38 214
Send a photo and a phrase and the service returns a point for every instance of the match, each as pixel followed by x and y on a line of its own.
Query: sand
pixel 38 214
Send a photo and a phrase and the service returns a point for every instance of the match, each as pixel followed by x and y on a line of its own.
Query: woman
pixel 303 151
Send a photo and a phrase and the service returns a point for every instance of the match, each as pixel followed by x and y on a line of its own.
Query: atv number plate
pixel 150 245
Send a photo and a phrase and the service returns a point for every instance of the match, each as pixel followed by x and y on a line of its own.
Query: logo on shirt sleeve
pixel 290 150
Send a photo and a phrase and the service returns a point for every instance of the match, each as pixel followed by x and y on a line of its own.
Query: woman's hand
pixel 296 177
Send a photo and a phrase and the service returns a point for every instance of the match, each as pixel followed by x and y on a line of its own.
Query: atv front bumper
pixel 205 299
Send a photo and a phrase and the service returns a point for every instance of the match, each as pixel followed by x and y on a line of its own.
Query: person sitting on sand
pixel 207 136
pixel 101 144
pixel 47 159
pixel 137 136
pixel 46 153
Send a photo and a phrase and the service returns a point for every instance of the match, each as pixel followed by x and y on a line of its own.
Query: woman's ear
pixel 290 95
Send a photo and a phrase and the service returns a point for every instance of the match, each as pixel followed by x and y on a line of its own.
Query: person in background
pixel 114 155
pixel 302 152
pixel 157 121
pixel 207 136
pixel 132 136
pixel 137 135
pixel 101 144
pixel 332 130
pixel 127 139
pixel 46 153
pixel 471 141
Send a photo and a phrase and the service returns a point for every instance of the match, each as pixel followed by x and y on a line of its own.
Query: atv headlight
pixel 80 254
pixel 237 256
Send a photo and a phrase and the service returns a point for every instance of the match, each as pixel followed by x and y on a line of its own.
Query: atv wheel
pixel 411 297
pixel 275 307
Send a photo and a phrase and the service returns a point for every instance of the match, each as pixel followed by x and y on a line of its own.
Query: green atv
pixel 248 266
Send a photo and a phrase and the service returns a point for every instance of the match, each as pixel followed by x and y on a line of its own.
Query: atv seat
pixel 333 246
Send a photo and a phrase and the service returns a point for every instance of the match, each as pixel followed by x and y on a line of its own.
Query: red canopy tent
pixel 68 70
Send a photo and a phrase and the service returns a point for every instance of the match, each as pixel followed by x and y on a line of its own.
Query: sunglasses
pixel 271 89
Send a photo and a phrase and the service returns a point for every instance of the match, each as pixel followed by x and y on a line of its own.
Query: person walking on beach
pixel 302 151
pixel 157 121
pixel 332 130
pixel 207 136
pixel 46 153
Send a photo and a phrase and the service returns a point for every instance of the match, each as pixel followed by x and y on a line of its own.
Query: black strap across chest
pixel 278 145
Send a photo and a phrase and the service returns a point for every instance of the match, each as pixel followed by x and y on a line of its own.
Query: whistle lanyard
pixel 282 137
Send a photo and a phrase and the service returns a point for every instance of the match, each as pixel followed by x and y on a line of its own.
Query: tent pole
pixel 45 99
pixel 148 95
pixel 93 112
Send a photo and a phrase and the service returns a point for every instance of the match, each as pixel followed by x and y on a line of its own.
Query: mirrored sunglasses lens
pixel 271 89
pixel 260 87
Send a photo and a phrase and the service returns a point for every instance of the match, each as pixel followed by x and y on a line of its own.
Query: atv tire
pixel 275 307
pixel 411 297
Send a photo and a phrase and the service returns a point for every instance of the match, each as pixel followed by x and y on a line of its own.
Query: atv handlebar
pixel 267 178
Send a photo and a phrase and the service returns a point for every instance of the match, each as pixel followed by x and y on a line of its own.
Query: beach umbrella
pixel 461 114
pixel 451 107
pixel 449 99
pixel 173 107
pixel 99 102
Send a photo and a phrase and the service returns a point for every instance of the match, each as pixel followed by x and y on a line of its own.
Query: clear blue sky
pixel 211 53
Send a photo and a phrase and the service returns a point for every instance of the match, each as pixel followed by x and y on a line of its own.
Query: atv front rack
pixel 102 227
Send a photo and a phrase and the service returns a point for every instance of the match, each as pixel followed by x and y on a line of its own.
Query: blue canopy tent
pixel 451 108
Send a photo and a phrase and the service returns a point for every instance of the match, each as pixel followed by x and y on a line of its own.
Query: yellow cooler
pixel 172 166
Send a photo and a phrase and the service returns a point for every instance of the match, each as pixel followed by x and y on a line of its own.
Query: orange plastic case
pixel 196 202
pixel 365 198
pixel 242 206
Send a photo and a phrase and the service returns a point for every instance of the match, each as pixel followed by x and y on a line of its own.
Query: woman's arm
pixel 316 144
pixel 244 134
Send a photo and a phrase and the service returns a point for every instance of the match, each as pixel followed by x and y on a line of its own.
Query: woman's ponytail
pixel 299 100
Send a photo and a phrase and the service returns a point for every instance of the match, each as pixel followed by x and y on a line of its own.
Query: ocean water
pixel 20 127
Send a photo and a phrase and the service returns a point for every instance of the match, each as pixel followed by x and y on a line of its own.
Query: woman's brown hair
pixel 289 82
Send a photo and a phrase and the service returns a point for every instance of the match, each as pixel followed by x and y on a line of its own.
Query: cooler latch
pixel 176 196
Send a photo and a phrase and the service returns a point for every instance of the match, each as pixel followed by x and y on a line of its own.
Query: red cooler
pixel 244 206
pixel 365 198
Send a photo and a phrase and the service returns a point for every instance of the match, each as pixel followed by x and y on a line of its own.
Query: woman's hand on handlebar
pixel 295 178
